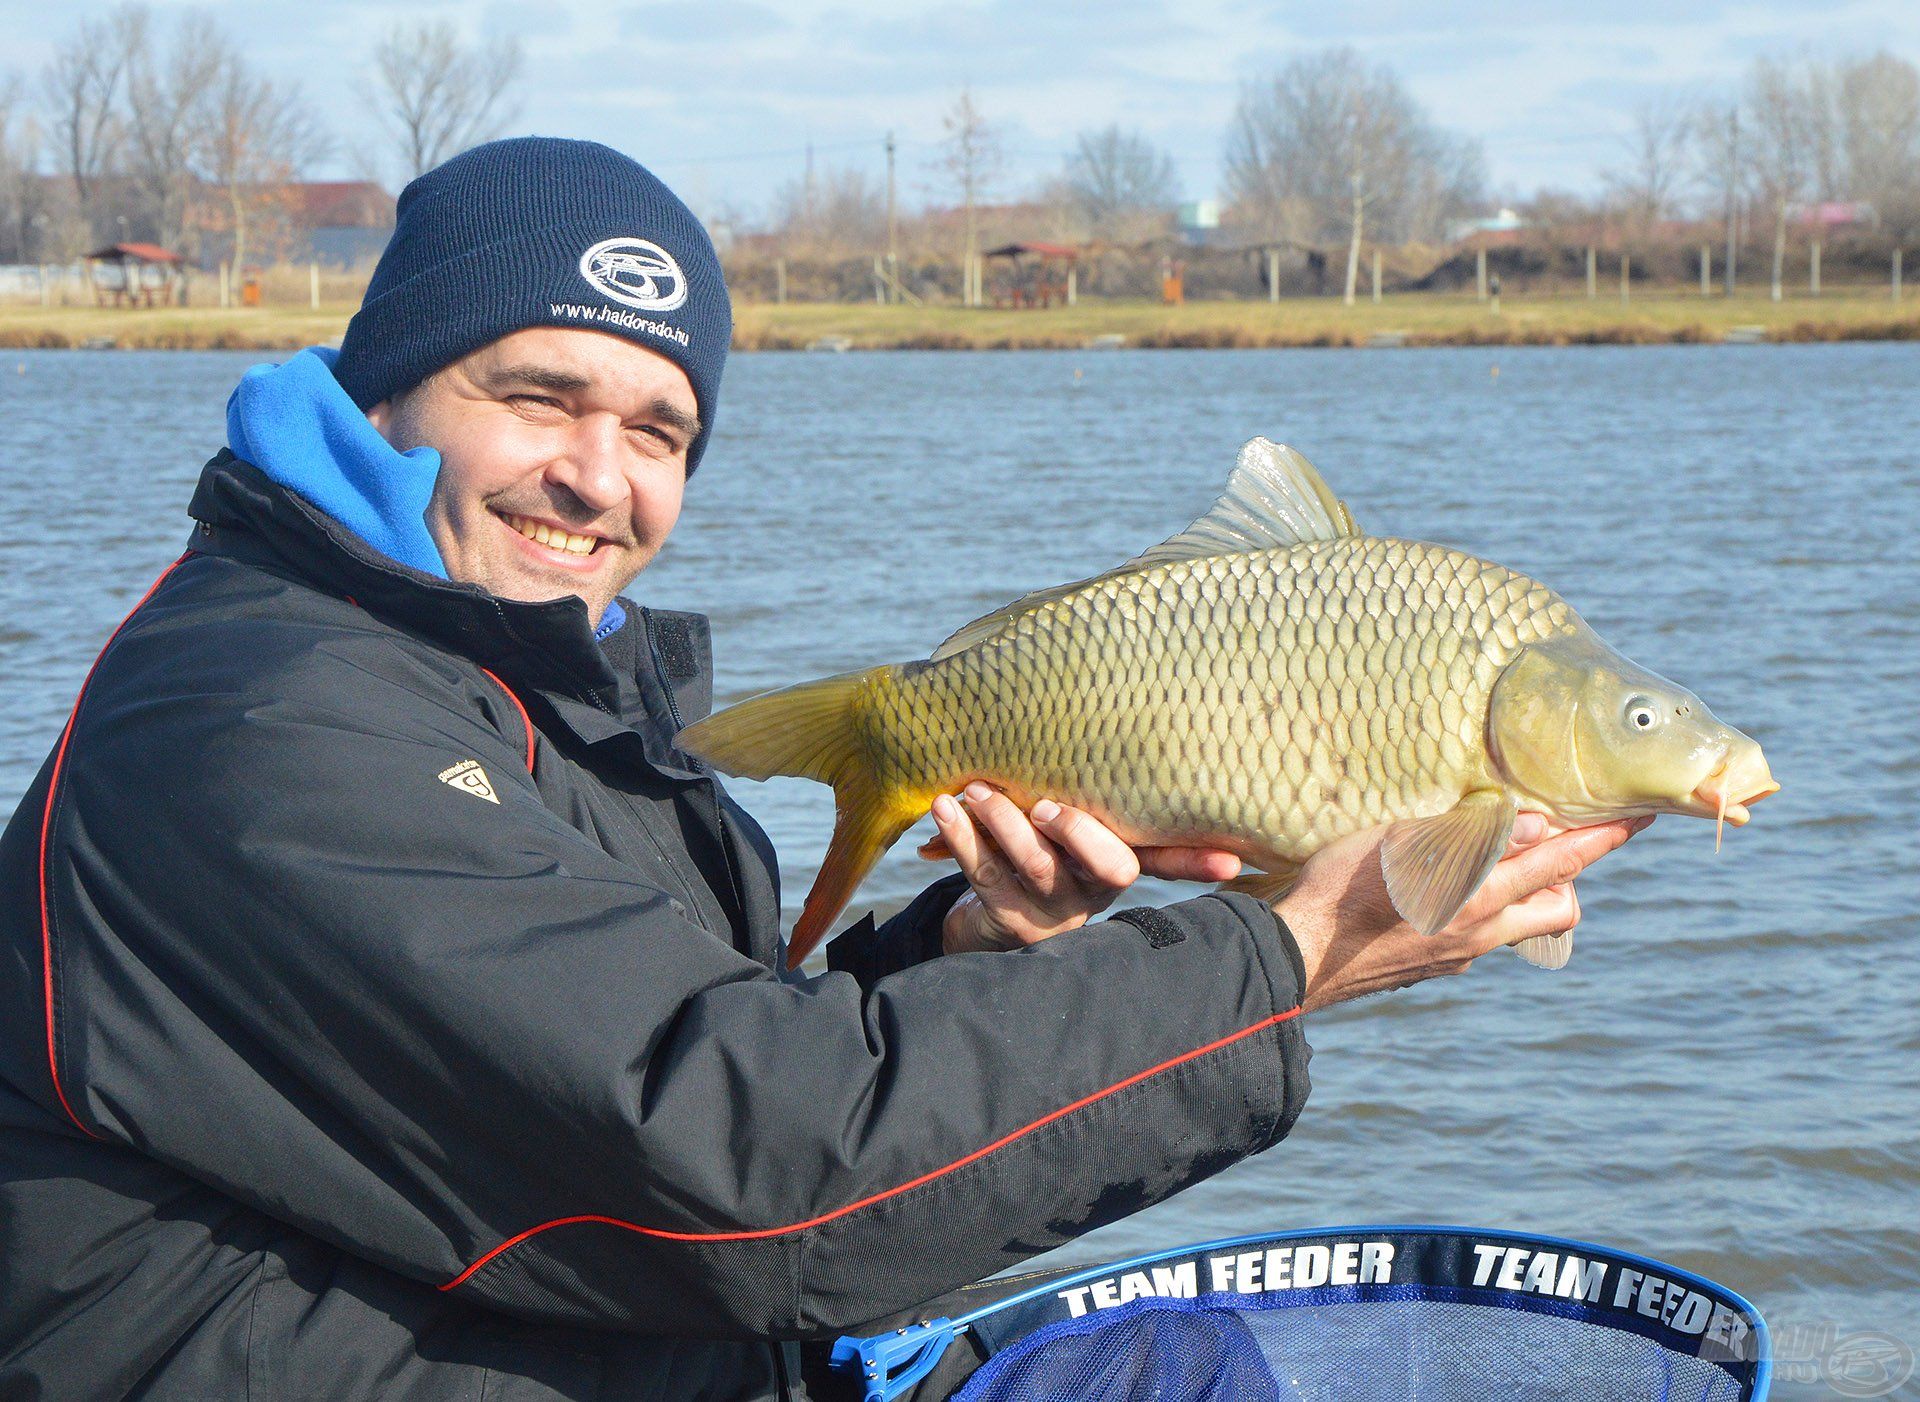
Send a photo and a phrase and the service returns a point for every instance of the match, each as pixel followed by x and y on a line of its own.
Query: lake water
pixel 1728 1074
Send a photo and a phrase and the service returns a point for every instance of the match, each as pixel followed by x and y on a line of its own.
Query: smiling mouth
pixel 540 533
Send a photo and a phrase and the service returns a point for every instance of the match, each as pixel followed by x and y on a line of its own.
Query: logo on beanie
pixel 638 272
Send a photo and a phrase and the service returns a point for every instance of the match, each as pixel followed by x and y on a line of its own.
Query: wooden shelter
pixel 1036 274
pixel 148 275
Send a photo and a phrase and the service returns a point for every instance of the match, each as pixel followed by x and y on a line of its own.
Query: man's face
pixel 563 457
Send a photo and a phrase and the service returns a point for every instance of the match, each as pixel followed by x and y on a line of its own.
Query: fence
pixel 1539 267
pixel 46 284
pixel 281 285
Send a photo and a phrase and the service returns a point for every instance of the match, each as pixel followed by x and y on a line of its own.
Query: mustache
pixel 567 510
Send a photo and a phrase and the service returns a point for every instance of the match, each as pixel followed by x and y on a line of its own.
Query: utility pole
pixel 1353 244
pixel 972 298
pixel 1733 196
pixel 893 232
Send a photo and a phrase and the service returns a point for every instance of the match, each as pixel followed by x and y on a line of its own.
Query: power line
pixel 784 153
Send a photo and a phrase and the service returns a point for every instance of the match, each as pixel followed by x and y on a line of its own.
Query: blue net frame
pixel 1423 1312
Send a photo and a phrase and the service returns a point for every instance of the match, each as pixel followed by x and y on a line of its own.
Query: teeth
pixel 552 539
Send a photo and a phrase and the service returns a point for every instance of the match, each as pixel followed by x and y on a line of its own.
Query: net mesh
pixel 1262 1349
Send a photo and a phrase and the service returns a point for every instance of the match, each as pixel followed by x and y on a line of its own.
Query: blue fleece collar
pixel 297 425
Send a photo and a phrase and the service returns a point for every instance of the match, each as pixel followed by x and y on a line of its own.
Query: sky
pixel 723 97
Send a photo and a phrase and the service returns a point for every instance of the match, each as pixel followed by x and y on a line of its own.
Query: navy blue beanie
pixel 538 231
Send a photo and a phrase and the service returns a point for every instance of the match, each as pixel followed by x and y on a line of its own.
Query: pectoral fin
pixel 1547 951
pixel 1432 865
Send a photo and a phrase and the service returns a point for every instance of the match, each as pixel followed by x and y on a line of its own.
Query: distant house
pixel 1834 214
pixel 338 223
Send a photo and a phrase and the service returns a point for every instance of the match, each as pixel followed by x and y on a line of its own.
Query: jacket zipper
pixel 713 786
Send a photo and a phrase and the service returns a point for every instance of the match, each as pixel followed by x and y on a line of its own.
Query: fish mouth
pixel 1731 790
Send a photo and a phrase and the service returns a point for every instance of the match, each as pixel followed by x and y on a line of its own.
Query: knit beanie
pixel 539 231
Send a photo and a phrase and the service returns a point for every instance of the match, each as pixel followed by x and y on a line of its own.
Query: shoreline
pixel 1414 320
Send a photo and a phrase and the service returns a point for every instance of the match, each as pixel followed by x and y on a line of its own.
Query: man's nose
pixel 593 467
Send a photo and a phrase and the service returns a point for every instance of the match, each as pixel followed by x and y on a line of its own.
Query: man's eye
pixel 536 400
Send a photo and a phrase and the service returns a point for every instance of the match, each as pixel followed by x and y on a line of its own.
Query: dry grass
pixel 174 328
pixel 1441 319
pixel 1318 321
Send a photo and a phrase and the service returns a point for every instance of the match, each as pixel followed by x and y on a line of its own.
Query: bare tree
pixel 839 211
pixel 1877 103
pixel 165 98
pixel 1781 103
pixel 439 95
pixel 21 194
pixel 1330 146
pixel 1646 185
pixel 1118 180
pixel 1721 154
pixel 970 159
pixel 1825 148
pixel 254 138
pixel 81 88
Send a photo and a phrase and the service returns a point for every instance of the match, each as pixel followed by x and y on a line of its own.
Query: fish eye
pixel 1641 714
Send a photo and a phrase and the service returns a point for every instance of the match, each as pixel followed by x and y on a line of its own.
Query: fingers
pixel 1528 830
pixel 1553 861
pixel 1095 854
pixel 1028 855
pixel 1096 851
pixel 1552 910
pixel 963 841
pixel 1187 863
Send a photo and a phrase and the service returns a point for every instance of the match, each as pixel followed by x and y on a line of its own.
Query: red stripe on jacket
pixel 928 1177
pixel 525 719
pixel 46 831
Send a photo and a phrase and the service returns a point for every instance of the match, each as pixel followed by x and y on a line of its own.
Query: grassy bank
pixel 176 328
pixel 1323 321
pixel 1448 319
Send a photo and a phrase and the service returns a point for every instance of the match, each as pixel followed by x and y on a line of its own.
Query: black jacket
pixel 388 1009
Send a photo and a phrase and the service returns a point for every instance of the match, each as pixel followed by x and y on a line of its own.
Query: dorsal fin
pixel 1274 499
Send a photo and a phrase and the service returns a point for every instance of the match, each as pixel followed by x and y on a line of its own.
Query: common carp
pixel 1267 680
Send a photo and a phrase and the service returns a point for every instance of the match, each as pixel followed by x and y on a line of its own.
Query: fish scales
pixel 1275 700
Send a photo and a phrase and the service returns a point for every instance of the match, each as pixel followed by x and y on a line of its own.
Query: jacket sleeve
pixel 447 1033
pixel 911 936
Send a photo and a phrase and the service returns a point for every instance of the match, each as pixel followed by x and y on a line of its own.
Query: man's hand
pixel 1353 942
pixel 1039 874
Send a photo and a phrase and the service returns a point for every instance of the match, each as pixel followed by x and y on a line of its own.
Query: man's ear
pixel 381 417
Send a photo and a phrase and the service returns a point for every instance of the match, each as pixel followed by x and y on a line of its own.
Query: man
pixel 392 1010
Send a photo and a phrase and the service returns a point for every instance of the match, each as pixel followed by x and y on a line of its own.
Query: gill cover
pixel 1587 736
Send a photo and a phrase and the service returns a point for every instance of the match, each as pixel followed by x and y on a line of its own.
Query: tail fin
pixel 807 731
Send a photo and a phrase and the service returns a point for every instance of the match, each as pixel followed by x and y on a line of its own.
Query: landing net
pixel 1374 1312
